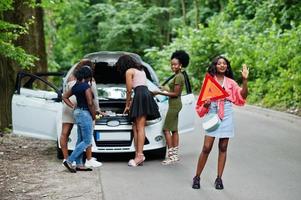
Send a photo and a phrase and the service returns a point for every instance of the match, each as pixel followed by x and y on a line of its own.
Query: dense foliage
pixel 265 34
pixel 77 28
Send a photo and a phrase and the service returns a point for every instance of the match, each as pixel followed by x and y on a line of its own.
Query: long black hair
pixel 213 71
pixel 126 62
pixel 182 56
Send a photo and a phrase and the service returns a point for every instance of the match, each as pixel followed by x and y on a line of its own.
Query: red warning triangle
pixel 212 90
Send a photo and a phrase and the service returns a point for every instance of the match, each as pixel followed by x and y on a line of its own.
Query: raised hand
pixel 245 71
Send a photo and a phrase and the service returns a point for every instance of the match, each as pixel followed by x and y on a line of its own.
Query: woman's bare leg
pixel 222 155
pixel 66 130
pixel 89 152
pixel 175 139
pixel 168 139
pixel 135 131
pixel 140 123
pixel 175 144
pixel 207 146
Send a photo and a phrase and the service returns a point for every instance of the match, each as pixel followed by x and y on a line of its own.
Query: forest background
pixel 51 35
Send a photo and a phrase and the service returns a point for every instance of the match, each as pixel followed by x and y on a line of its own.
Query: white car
pixel 38 112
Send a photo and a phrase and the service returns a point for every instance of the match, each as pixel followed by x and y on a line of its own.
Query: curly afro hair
pixel 84 72
pixel 182 56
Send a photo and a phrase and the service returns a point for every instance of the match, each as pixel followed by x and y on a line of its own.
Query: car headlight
pixel 154 121
pixel 159 138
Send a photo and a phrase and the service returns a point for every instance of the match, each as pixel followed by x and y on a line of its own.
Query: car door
pixel 36 112
pixel 187 113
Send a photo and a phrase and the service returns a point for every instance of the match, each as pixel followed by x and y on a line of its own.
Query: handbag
pixel 211 122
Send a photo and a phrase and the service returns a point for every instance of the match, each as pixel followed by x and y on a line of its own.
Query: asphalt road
pixel 264 162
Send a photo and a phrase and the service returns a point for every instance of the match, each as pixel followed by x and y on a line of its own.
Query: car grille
pixel 123 120
pixel 113 143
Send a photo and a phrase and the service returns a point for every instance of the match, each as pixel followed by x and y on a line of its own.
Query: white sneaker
pixel 92 163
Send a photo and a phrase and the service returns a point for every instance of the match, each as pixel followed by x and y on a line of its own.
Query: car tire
pixel 161 153
pixel 59 153
pixel 157 153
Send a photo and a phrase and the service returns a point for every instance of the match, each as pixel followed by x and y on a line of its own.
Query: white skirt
pixel 67 116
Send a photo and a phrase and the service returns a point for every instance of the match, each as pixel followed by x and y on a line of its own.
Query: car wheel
pixel 161 153
pixel 157 153
pixel 59 153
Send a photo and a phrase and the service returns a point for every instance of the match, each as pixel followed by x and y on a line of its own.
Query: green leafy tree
pixel 65 35
pixel 79 27
pixel 21 46
pixel 271 50
pixel 263 33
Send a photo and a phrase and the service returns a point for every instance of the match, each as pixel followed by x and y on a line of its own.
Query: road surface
pixel 264 162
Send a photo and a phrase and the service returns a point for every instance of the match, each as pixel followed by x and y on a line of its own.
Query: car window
pixel 39 86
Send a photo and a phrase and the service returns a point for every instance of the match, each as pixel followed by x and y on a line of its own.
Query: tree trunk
pixel 7 82
pixel 33 43
pixel 40 49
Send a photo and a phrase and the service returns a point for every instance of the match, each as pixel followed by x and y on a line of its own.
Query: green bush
pixel 273 57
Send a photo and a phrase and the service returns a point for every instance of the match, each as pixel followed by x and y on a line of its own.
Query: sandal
pixel 133 163
pixel 175 156
pixel 69 166
pixel 169 159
